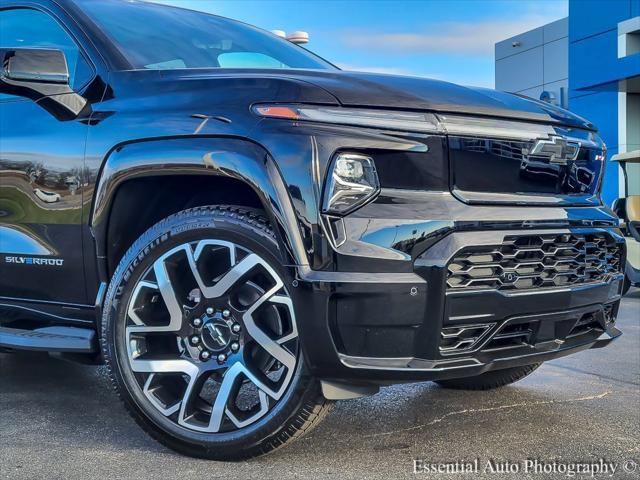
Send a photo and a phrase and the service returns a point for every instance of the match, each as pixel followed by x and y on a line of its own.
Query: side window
pixel 28 28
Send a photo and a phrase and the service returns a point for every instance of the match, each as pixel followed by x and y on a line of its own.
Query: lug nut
pixel 226 313
pixel 221 358
pixel 205 355
pixel 195 340
pixel 197 322
pixel 235 346
pixel 209 311
pixel 235 328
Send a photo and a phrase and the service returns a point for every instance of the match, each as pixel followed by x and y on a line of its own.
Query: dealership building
pixel 589 63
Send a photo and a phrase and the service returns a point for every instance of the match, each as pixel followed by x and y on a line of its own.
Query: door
pixel 41 172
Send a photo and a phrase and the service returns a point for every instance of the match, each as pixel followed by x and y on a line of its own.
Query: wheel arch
pixel 229 168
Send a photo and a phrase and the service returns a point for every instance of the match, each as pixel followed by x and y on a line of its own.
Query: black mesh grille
pixel 535 261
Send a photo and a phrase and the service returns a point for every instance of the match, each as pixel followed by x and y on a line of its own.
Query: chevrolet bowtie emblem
pixel 557 149
pixel 217 335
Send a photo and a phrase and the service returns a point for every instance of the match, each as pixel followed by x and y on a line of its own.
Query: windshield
pixel 160 37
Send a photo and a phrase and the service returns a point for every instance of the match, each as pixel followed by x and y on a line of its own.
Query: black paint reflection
pixel 501 166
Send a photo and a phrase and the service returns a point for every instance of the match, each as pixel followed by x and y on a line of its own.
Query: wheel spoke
pixel 167 290
pixel 261 385
pixel 176 365
pixel 224 396
pixel 287 302
pixel 229 279
pixel 222 399
pixel 215 243
pixel 165 410
pixel 132 311
pixel 263 339
pixel 264 408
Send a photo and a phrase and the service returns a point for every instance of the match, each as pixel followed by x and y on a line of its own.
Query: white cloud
pixel 459 38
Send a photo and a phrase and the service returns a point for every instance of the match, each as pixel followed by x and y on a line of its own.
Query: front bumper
pixel 385 328
pixel 482 361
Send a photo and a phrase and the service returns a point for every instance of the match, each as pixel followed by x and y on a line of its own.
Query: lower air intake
pixel 462 339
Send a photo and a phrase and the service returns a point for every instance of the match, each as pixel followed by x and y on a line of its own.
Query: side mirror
pixel 38 66
pixel 43 76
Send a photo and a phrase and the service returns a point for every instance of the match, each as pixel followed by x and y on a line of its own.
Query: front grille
pixel 501 148
pixel 536 261
pixel 539 332
pixel 511 336
pixel 509 168
pixel 543 331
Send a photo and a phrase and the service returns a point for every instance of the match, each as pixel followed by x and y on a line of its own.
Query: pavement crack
pixel 490 409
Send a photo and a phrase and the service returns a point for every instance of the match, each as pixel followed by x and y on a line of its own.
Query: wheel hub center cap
pixel 217 335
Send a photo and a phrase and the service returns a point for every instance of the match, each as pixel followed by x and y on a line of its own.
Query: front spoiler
pixel 465 367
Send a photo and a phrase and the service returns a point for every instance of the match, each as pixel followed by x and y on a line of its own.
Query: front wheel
pixel 201 338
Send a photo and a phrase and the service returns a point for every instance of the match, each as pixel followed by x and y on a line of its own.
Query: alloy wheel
pixel 211 336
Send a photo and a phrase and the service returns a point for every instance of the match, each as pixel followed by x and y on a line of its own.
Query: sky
pixel 450 40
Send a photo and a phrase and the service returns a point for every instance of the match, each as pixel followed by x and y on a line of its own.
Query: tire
pixel 257 398
pixel 489 380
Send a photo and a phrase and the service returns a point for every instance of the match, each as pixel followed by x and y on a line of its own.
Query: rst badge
pixel 48 262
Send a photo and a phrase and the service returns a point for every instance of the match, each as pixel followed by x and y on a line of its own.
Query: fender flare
pixel 229 157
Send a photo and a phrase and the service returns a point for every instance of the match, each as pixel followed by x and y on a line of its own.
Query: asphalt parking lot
pixel 61 420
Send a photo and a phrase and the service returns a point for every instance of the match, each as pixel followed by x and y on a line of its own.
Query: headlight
pixel 422 122
pixel 352 181
pixel 365 117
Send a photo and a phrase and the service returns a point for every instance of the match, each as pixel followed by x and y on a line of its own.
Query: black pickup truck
pixel 244 233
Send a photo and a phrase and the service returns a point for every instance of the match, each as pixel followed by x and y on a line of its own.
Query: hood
pixel 358 89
